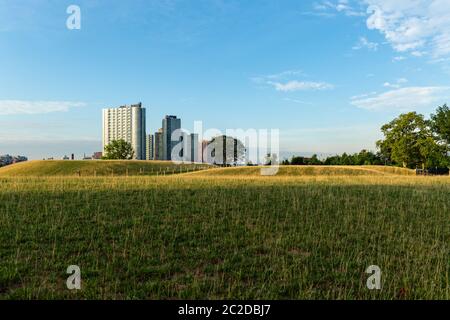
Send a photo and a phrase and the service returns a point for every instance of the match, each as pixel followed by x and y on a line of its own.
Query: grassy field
pixel 226 235
pixel 98 168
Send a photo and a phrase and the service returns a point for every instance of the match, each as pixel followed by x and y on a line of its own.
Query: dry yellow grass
pixel 293 171
pixel 40 168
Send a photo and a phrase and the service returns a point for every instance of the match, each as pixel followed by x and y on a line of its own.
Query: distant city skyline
pixel 128 122
pixel 328 74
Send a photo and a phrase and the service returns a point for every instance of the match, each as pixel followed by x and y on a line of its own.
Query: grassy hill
pixel 96 168
pixel 137 168
pixel 311 171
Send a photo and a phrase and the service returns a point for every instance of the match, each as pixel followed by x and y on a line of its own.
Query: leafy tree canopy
pixel 362 158
pixel 410 141
pixel 225 150
pixel 119 150
pixel 440 124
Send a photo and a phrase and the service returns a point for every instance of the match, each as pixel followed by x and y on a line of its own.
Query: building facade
pixel 204 153
pixel 169 125
pixel 149 147
pixel 158 146
pixel 189 151
pixel 126 123
pixel 195 156
pixel 97 155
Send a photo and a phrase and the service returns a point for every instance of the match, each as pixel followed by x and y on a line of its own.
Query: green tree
pixel 440 124
pixel 433 153
pixel 119 150
pixel 314 160
pixel 409 141
pixel 225 151
pixel 298 161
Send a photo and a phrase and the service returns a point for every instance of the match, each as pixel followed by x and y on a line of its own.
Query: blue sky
pixel 328 74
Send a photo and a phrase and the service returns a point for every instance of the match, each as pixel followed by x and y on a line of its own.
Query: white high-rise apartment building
pixel 127 123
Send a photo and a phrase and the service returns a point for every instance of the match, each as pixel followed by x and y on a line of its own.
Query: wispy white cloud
pixel 297 101
pixel 10 107
pixel 300 86
pixel 284 75
pixel 287 81
pixel 391 85
pixel 398 58
pixel 403 99
pixel 364 95
pixel 418 53
pixel 287 73
pixel 364 43
pixel 411 25
pixel 398 83
pixel 330 7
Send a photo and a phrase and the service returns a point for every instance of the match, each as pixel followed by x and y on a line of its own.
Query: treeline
pixel 358 159
pixel 410 141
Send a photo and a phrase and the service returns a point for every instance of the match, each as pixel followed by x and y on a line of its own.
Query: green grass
pixel 97 168
pixel 193 236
